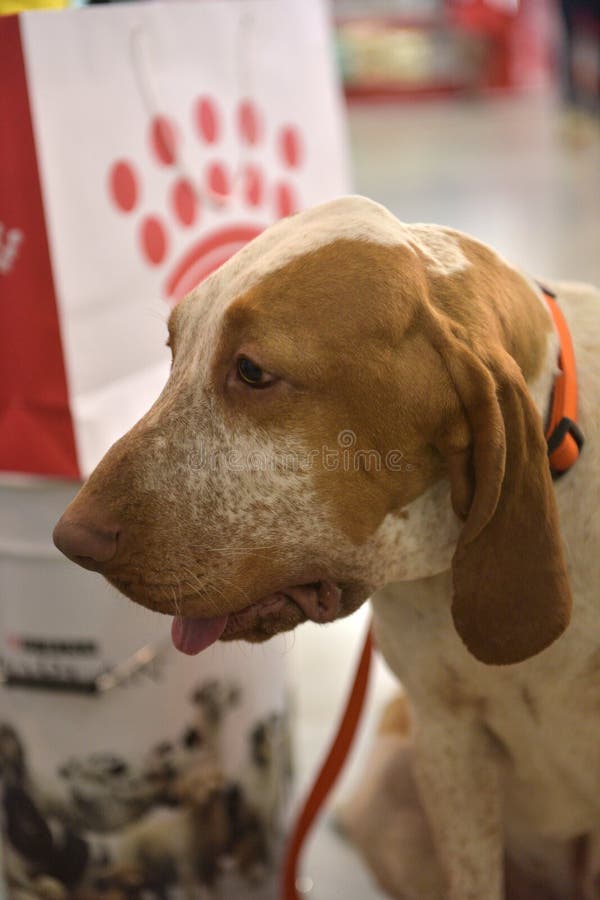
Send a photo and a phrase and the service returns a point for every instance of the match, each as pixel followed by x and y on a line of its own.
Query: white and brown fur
pixel 421 340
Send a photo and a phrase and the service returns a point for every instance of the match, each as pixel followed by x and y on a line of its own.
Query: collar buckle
pixel 564 444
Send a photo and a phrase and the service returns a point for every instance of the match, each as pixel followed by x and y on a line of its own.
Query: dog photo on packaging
pixel 359 408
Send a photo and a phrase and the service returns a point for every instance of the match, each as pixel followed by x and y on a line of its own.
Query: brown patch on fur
pixel 495 305
pixel 396 718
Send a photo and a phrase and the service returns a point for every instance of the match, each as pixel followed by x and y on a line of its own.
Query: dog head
pixel 347 406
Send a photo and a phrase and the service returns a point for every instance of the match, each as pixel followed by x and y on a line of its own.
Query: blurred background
pixel 483 115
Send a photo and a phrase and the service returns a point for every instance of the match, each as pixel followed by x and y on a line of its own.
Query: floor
pixel 507 173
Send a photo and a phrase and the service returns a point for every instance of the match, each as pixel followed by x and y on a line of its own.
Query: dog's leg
pixel 458 776
pixel 384 818
pixel 385 821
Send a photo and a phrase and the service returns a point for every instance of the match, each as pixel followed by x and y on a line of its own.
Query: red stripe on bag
pixel 36 431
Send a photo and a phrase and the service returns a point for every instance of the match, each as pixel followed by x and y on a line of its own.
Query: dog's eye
pixel 252 374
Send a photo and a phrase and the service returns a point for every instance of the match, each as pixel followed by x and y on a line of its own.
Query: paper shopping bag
pixel 142 145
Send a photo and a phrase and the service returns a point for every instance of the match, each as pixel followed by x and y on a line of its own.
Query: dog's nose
pixel 86 545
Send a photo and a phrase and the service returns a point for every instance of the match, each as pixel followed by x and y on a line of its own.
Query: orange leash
pixel 328 774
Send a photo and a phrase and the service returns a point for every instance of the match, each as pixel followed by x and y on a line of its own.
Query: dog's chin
pixel 263 622
pixel 283 610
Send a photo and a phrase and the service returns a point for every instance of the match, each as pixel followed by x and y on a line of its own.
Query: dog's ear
pixel 511 594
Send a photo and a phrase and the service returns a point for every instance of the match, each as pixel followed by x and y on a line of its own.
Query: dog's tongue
pixel 191 636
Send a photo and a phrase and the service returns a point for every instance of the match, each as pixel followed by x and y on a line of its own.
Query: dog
pixel 266 774
pixel 356 409
pixel 188 845
pixel 43 857
pixel 200 743
pixel 104 792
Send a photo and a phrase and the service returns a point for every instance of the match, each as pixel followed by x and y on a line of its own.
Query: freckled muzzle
pixel 178 561
pixel 96 548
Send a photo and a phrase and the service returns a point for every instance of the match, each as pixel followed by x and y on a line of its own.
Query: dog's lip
pixel 319 600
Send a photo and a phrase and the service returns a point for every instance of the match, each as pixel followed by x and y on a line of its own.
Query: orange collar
pixel 563 435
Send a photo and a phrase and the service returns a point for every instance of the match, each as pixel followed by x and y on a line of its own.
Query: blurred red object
pixel 464 46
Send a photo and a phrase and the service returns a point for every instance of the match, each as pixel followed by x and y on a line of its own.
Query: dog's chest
pixel 542 716
pixel 546 739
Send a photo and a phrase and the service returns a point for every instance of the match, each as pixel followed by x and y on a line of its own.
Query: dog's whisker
pixel 193 582
pixel 229 584
pixel 176 602
pixel 203 590
pixel 221 594
pixel 208 594
pixel 230 549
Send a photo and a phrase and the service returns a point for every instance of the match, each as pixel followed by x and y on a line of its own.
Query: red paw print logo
pixel 194 199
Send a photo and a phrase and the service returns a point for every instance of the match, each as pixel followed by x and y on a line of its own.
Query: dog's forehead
pixel 348 218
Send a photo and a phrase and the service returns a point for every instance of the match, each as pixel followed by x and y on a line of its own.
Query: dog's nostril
pixel 84 544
